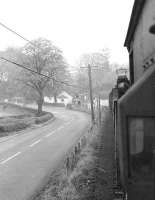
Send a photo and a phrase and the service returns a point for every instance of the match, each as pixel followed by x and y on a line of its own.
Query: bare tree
pixel 44 58
pixel 9 87
pixel 102 75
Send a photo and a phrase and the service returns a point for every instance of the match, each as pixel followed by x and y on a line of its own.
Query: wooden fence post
pixel 67 166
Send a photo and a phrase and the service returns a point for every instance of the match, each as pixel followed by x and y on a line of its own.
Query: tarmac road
pixel 27 159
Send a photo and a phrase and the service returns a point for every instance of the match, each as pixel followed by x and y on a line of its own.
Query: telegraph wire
pixel 22 66
pixel 15 33
pixel 32 71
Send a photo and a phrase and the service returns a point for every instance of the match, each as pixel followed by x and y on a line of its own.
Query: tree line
pixel 48 68
pixel 40 56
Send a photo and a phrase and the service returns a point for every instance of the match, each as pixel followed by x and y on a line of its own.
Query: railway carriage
pixel 134 128
pixel 134 111
pixel 135 139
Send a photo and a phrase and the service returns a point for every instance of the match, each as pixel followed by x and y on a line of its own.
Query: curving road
pixel 27 159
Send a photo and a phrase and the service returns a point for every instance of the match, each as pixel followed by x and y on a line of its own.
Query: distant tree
pixel 9 86
pixel 82 81
pixel 102 75
pixel 43 57
pixel 96 59
pixel 58 84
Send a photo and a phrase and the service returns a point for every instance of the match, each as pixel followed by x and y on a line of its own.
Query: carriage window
pixel 141 147
pixel 136 131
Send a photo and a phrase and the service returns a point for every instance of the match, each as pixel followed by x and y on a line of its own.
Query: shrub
pixel 18 122
pixel 55 104
pixel 43 118
pixel 13 127
pixel 69 106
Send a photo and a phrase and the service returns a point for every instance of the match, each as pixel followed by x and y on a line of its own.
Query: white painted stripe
pixel 34 143
pixel 11 157
pixel 60 128
pixel 69 122
pixel 49 134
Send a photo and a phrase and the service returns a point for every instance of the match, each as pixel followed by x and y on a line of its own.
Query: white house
pixel 63 97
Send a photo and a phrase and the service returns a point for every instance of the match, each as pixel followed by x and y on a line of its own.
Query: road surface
pixel 27 159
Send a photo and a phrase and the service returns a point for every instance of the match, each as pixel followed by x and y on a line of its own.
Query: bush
pixel 25 118
pixel 15 124
pixel 69 106
pixel 13 127
pixel 43 118
pixel 55 104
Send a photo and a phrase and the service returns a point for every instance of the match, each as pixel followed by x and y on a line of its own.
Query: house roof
pixel 64 95
pixel 134 19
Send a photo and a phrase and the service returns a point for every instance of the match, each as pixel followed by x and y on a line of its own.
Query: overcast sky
pixel 75 26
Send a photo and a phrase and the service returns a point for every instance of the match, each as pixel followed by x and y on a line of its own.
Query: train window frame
pixel 139 129
pixel 129 155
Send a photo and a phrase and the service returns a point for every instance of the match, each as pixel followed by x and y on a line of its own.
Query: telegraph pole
pixel 99 110
pixel 90 93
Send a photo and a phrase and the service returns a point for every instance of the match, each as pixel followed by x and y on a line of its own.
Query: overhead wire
pixel 19 35
pixel 33 71
pixel 24 67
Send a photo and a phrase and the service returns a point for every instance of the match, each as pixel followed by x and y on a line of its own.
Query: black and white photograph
pixel 77 100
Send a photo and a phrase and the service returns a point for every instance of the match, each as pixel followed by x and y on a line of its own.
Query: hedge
pixel 19 122
pixel 16 124
pixel 54 104
pixel 43 118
